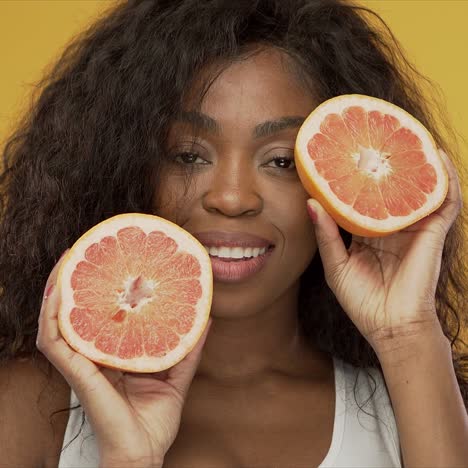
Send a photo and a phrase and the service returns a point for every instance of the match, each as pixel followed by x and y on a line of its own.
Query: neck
pixel 244 348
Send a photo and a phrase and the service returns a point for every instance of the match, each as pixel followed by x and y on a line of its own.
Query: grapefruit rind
pixel 109 227
pixel 345 215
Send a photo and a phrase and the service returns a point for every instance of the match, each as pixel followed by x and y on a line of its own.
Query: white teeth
pixel 235 252
pixel 224 252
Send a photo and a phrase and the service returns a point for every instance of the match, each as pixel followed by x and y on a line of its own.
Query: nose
pixel 233 190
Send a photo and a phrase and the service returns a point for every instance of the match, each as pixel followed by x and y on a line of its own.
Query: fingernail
pixel 312 212
pixel 49 291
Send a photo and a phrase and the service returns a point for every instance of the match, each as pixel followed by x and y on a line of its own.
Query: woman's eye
pixel 189 158
pixel 282 163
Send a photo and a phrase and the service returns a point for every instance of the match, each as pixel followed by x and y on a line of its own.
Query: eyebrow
pixel 199 121
pixel 270 127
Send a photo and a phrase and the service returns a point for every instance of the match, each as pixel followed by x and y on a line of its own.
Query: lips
pixel 233 270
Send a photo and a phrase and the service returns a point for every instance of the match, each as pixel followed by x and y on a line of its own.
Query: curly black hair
pixel 93 142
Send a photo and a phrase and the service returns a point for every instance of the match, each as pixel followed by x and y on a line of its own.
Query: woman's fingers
pixel 329 242
pixel 49 340
pixel 48 335
pixel 94 385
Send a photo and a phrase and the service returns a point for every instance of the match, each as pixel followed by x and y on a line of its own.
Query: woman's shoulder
pixel 31 391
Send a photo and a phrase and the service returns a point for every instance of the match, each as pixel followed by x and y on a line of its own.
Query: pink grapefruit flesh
pixel 372 166
pixel 136 293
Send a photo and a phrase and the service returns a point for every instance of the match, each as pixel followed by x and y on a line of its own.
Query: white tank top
pixel 362 437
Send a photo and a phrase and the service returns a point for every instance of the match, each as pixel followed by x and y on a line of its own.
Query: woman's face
pixel 244 195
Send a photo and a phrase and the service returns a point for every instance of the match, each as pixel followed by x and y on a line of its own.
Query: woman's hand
pixel 387 285
pixel 135 417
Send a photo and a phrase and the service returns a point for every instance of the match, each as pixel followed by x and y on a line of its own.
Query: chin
pixel 251 300
pixel 234 305
pixel 232 311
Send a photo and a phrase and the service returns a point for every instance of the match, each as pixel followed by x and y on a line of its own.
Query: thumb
pixel 329 242
pixel 181 375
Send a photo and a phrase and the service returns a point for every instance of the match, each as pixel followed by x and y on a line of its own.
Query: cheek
pixel 297 228
pixel 299 235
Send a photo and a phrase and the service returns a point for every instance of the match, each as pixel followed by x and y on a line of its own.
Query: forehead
pixel 257 87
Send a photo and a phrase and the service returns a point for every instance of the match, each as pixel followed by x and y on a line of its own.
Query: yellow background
pixel 33 32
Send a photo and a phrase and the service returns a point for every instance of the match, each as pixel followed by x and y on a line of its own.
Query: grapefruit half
pixel 135 292
pixel 373 167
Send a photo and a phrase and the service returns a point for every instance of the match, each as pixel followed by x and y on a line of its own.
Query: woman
pixel 340 351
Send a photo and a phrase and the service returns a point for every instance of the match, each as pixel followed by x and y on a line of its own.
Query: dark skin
pixel 259 387
pixel 237 186
pixel 254 356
